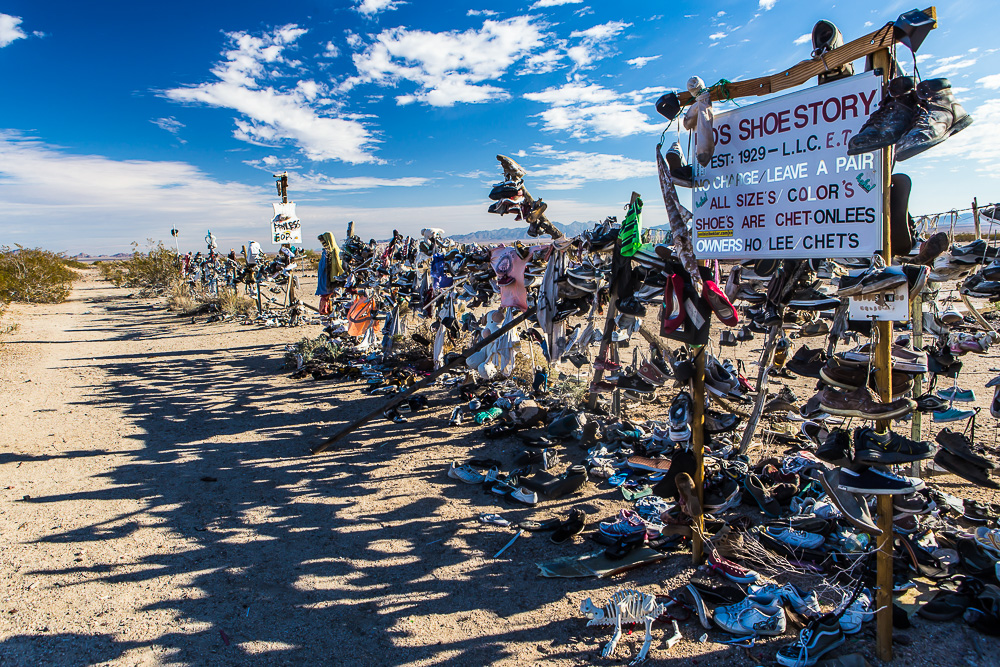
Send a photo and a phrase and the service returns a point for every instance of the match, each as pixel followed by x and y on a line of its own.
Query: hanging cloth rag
pixel 679 218
pixel 334 266
pixel 359 316
pixel 699 117
pixel 548 291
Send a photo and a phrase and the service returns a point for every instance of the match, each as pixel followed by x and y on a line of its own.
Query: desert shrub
pixel 309 349
pixel 232 302
pixel 33 275
pixel 75 263
pixel 153 271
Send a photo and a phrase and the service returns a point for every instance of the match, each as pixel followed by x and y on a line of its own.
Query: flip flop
pixel 493 519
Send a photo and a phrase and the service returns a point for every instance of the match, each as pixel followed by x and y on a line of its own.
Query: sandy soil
pixel 158 506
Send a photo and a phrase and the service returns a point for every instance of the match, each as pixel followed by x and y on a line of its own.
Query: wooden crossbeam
pixel 807 69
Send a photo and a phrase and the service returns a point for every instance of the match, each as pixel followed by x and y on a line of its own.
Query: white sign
pixel 285 225
pixel 781 184
pixel 889 306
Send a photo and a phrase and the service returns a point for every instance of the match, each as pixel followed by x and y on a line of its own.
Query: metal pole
pixel 916 427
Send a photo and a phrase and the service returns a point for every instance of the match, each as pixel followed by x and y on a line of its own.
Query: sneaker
pixel 836 449
pixel 731 570
pixel 952 415
pixel 525 495
pixel 806 362
pixel 931 403
pixel 956 394
pixel 817 433
pixel 854 509
pixel 938 116
pixel 720 423
pixel 626 523
pixel 960 445
pixel 806 604
pixel 862 403
pixel 815 640
pixel 964 469
pixel 878 482
pixel 889 448
pixel 761 616
pixel 466 473
pixel 858 612
pixel 812 299
pixel 636 384
pixel 693 594
pixel 715 588
pixel 797 539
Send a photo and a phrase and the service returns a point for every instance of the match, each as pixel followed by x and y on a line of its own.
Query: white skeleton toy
pixel 627 606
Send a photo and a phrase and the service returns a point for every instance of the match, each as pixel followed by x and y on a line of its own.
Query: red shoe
pixel 673 305
pixel 731 570
pixel 720 304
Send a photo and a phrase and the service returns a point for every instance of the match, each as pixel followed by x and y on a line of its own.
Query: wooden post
pixel 916 427
pixel 698 449
pixel 883 377
pixel 975 215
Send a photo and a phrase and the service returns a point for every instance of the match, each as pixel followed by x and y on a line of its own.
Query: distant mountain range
pixel 517 233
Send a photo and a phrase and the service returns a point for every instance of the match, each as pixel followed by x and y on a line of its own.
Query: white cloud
pixel 567 170
pixel 594 42
pixel 483 12
pixel 948 66
pixel 720 14
pixel 977 146
pixel 868 24
pixel 591 112
pixel 924 57
pixel 171 125
pixel 448 67
pixel 992 81
pixel 314 182
pixel 270 114
pixel 331 50
pixel 802 39
pixel 373 7
pixel 641 61
pixel 717 36
pixel 554 3
pixel 766 5
pixel 10 30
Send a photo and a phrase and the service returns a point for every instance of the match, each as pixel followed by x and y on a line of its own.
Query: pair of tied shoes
pixel 673 302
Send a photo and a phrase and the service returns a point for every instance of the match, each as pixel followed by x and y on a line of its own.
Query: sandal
pixel 573 526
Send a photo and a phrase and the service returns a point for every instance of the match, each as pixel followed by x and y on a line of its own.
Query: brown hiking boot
pixel 930 249
pixel 862 403
pixel 689 502
pixel 850 376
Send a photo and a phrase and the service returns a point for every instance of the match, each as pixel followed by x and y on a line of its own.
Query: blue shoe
pixel 956 394
pixel 952 415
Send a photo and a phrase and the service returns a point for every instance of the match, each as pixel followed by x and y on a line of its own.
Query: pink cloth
pixel 506 262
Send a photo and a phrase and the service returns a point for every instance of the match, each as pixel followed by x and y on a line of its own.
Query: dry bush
pixel 153 271
pixel 179 297
pixel 235 303
pixel 33 275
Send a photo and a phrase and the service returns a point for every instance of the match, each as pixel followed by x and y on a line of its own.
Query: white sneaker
pixel 860 611
pixel 753 616
pixel 466 473
pixel 795 538
pixel 525 495
pixel 802 602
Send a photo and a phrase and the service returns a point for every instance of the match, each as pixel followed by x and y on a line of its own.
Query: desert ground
pixel 158 506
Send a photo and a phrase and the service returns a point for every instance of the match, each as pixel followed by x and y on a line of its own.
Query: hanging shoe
pixel 938 116
pixel 890 121
pixel 825 38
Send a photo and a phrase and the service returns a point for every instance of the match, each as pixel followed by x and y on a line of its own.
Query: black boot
pixel 939 115
pixel 826 37
pixel 890 121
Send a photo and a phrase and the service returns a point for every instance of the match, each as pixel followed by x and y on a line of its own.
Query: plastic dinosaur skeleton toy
pixel 628 606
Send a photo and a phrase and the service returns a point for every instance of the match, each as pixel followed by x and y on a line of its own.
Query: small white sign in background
pixel 781 184
pixel 285 225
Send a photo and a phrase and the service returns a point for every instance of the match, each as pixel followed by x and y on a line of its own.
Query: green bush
pixel 33 275
pixel 153 271
pixel 319 349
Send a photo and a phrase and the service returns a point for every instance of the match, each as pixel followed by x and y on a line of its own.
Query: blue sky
pixel 123 119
